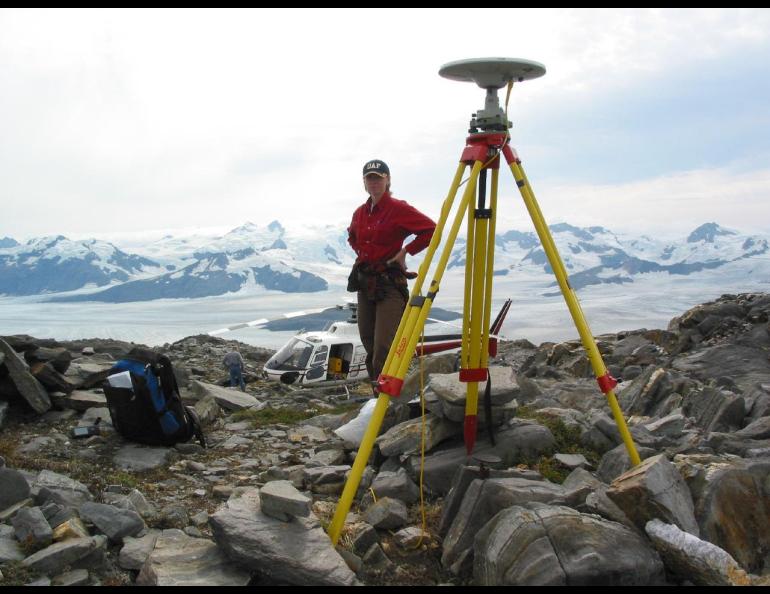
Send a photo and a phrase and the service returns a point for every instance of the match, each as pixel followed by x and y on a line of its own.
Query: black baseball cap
pixel 377 167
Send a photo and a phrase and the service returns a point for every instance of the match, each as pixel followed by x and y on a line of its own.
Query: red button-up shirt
pixel 377 234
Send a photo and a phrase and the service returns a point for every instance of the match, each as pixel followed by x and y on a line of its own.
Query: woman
pixel 377 234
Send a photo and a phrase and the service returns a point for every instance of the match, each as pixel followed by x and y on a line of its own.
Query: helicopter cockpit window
pixel 294 355
pixel 320 355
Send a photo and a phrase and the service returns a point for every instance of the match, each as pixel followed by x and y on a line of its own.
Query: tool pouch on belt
pixel 354 283
pixel 395 277
pixel 375 280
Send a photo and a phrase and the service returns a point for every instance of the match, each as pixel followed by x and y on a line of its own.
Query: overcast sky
pixel 122 121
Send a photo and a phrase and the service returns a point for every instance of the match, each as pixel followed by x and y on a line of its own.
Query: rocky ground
pixel 552 501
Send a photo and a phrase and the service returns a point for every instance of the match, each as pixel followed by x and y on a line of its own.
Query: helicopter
pixel 335 356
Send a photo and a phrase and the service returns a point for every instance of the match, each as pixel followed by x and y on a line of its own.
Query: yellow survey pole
pixel 490 268
pixel 474 316
pixel 470 247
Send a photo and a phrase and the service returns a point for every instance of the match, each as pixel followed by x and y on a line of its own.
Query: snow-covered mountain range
pixel 310 259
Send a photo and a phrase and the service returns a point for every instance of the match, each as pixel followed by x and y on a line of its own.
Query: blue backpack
pixel 146 406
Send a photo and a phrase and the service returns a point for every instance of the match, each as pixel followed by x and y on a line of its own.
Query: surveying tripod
pixel 488 139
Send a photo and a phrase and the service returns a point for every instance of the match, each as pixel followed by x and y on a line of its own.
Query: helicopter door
pixel 317 369
pixel 358 364
pixel 340 358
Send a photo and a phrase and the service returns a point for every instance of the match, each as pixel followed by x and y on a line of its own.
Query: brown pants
pixel 377 325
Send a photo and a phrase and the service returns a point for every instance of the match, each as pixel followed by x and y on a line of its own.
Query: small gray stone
pixel 189 448
pixel 55 558
pixel 61 489
pixel 396 485
pixel 174 515
pixel 387 514
pixel 365 537
pixel 192 531
pixel 9 550
pixel 410 536
pixel 228 399
pixel 15 487
pixel 571 461
pixel 32 528
pixel 376 558
pixel 136 550
pixel 114 522
pixel 77 577
pixel 138 458
pixel 200 519
pixel 280 499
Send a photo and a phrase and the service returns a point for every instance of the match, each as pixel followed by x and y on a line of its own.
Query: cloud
pixel 675 203
pixel 207 117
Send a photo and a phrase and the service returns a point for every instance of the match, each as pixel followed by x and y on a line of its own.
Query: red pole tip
pixel 471 421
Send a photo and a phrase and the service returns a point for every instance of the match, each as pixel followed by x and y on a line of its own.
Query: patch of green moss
pixel 286 416
pixel 567 441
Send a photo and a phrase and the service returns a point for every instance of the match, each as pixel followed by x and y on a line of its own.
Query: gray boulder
pixel 451 393
pixel 463 478
pixel 745 365
pixel 616 462
pixel 407 437
pixel 647 394
pixel 732 504
pixel 297 552
pixel 521 440
pixel 179 560
pixel 482 500
pixel 693 559
pixel 550 546
pixel 26 385
pixel 654 490
pixel 713 409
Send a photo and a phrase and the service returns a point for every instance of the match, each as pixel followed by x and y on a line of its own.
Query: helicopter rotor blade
pixel 263 321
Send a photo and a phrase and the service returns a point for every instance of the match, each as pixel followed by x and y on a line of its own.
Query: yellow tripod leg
pixel 408 333
pixel 401 365
pixel 597 363
pixel 432 247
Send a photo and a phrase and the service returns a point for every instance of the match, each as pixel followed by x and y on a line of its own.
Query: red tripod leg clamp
pixel 390 385
pixel 474 375
pixel 606 382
